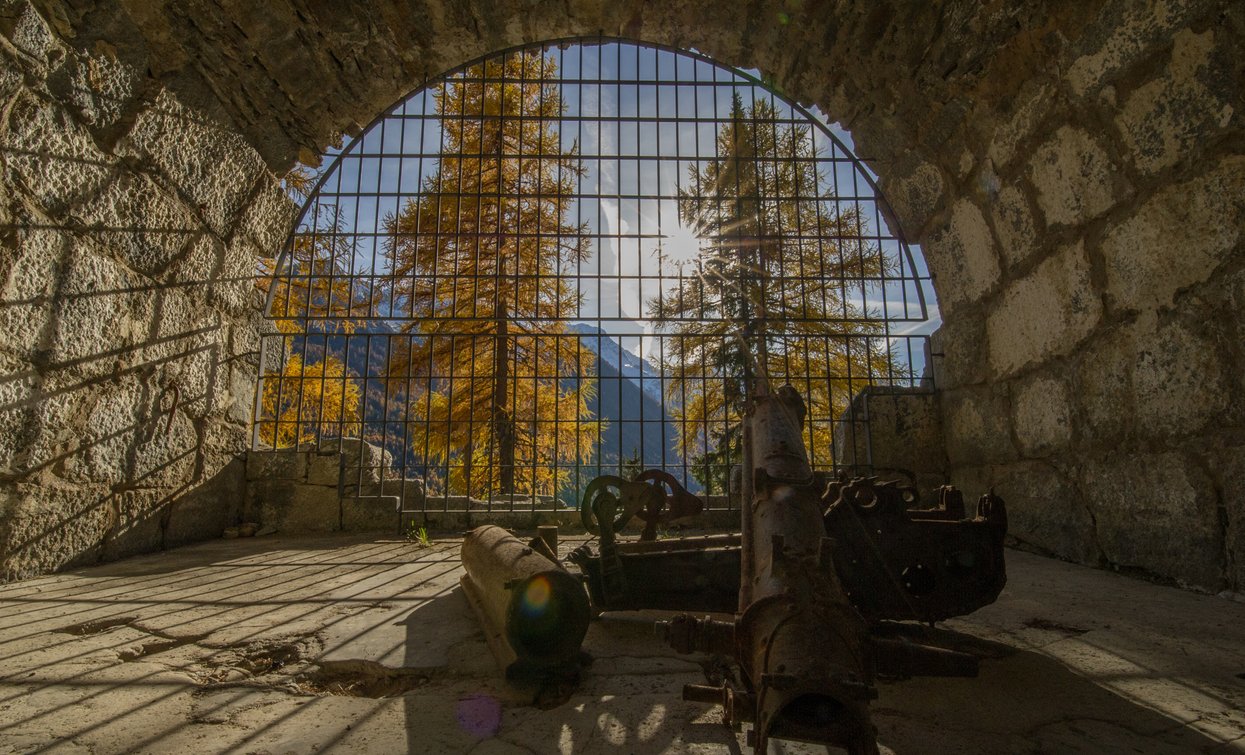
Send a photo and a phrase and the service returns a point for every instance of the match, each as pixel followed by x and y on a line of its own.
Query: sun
pixel 679 244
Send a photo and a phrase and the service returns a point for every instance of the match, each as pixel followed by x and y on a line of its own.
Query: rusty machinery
pixel 809 595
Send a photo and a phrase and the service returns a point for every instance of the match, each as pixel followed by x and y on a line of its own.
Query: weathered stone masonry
pixel 1073 171
pixel 131 228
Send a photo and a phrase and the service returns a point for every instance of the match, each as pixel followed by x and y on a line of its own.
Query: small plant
pixel 418 534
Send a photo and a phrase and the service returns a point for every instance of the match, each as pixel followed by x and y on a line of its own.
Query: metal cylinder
pixel 548 533
pixel 534 613
pixel 799 642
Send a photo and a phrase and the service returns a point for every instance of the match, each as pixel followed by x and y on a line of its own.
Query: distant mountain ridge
pixel 628 396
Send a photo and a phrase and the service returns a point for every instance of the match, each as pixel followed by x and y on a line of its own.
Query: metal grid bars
pixel 576 259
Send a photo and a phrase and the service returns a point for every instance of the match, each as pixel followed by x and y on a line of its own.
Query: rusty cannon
pixel 534 613
pixel 810 596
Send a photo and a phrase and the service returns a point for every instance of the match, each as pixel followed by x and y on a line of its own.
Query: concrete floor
pixel 283 645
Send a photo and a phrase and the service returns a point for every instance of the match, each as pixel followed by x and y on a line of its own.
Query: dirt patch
pixel 98 625
pixel 258 658
pixel 358 679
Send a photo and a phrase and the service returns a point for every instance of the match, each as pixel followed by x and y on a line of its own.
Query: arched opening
pixel 569 259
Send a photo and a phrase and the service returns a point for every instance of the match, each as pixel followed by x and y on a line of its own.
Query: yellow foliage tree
pixel 768 301
pixel 310 290
pixel 477 260
pixel 304 402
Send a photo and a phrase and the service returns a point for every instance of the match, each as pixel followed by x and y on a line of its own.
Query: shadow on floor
pixel 629 701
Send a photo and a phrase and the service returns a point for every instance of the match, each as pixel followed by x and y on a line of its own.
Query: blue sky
pixel 682 96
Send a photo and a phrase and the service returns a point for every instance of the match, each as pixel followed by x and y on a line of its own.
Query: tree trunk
pixel 503 423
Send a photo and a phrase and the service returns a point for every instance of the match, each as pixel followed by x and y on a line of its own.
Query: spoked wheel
pixel 606 485
pixel 677 503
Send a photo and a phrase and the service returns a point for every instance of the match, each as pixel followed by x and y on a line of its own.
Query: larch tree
pixel 306 401
pixel 478 263
pixel 769 296
pixel 308 394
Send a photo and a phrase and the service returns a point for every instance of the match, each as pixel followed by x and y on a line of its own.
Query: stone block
pixel 904 433
pixel 268 219
pixel 1102 388
pixel 977 422
pixel 27 285
pixel 49 156
pixel 1042 415
pixel 204 511
pixel 1179 379
pixel 1189 103
pixel 1045 510
pixel 410 491
pixel 1047 312
pixel 239 400
pixel 200 370
pixel 961 342
pixel 295 508
pixel 48 527
pixel 374 514
pixel 136 220
pixel 202 261
pixel 138 526
pixel 213 168
pixel 324 468
pixel 114 428
pixel 102 312
pixel 101 89
pixel 1033 102
pixel 10 78
pixel 57 407
pixel 164 454
pixel 366 464
pixel 962 257
pixel 232 287
pixel 1074 178
pixel 276 465
pixel 1014 226
pixel 1176 238
pixel 30 34
pixel 17 415
pixel 1157 512
pixel 225 439
pixel 1123 34
pixel 914 196
pixel 445 521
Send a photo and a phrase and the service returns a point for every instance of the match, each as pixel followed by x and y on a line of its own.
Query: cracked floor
pixel 344 644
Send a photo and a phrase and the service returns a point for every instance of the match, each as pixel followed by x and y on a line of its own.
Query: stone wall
pixel 347 485
pixel 1094 366
pixel 1072 170
pixel 129 231
pixel 896 434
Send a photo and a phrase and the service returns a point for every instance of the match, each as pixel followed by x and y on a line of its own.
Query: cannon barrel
pixel 802 646
pixel 534 613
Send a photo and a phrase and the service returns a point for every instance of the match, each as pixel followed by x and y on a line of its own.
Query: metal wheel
pixel 601 486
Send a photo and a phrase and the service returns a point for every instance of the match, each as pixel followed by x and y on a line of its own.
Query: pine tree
pixel 765 300
pixel 478 262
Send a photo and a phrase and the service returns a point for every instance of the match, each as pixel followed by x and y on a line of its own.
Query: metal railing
pixel 568 260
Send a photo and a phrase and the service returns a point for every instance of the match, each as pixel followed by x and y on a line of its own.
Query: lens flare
pixel 479 715
pixel 536 596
